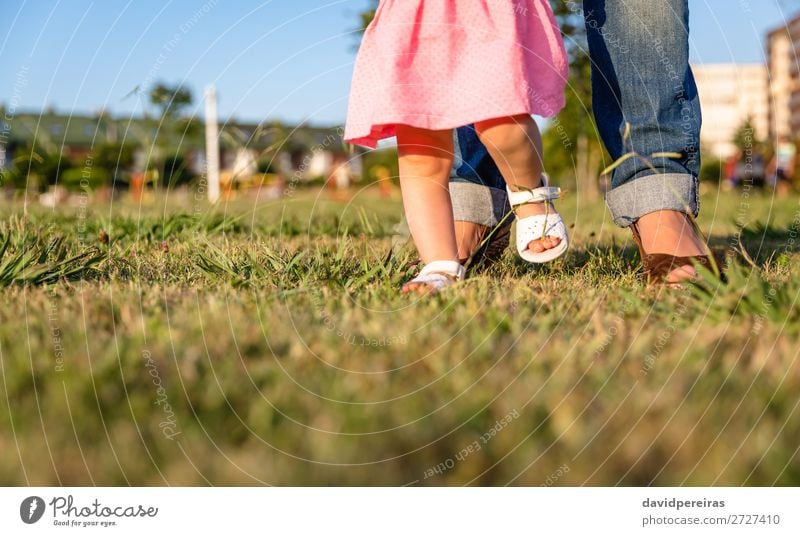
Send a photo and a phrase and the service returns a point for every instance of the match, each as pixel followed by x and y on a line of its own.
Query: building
pixel 783 61
pixel 730 95
pixel 782 82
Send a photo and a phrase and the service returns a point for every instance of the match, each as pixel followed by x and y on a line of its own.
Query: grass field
pixel 268 344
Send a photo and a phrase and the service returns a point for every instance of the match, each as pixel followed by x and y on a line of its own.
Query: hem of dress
pixel 386 129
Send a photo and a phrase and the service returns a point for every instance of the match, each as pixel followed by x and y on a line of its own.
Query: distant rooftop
pixel 182 133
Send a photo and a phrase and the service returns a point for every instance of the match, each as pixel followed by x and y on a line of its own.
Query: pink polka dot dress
pixel 442 64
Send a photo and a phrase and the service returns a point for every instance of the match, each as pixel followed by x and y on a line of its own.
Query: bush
pixel 114 156
pixel 93 178
pixel 46 166
pixel 11 177
pixel 386 158
pixel 267 165
pixel 176 171
pixel 711 170
pixel 318 180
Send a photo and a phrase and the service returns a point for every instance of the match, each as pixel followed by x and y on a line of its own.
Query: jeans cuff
pixel 477 203
pixel 635 198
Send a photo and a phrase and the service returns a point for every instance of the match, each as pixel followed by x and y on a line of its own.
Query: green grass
pixel 268 343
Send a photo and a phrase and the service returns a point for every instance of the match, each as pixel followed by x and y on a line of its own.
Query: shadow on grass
pixel 596 262
pixel 762 242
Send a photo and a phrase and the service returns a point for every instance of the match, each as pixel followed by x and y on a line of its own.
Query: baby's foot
pixel 418 288
pixel 536 209
pixel 435 276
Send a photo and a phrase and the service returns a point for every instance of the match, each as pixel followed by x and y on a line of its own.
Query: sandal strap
pixel 449 268
pixel 439 274
pixel 657 266
pixel 536 195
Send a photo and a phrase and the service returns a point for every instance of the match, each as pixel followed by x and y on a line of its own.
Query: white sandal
pixel 440 274
pixel 539 226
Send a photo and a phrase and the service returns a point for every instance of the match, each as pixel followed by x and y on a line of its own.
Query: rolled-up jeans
pixel 641 77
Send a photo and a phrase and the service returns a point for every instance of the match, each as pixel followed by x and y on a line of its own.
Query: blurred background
pixel 112 98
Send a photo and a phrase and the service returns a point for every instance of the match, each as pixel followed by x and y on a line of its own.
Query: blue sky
pixel 283 59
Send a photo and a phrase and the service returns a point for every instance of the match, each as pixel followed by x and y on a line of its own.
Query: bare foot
pixel 422 289
pixel 435 276
pixel 468 237
pixel 480 246
pixel 671 232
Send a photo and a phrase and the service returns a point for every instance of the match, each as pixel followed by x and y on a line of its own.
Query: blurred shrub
pixel 711 169
pixel 12 178
pixel 93 178
pixel 114 157
pixel 386 158
pixel 267 165
pixel 176 171
pixel 43 167
pixel 315 181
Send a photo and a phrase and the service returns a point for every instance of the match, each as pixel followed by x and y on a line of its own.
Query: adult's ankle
pixel 469 236
pixel 670 232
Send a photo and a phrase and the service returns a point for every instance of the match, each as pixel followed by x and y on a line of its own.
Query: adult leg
pixel 478 194
pixel 641 81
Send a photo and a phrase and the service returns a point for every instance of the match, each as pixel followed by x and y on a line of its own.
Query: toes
pixel 409 288
pixel 553 241
pixel 679 275
pixel 543 244
pixel 417 288
pixel 536 246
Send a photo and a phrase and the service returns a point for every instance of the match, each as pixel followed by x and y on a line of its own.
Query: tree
pixel 366 17
pixel 37 163
pixel 572 144
pixel 170 101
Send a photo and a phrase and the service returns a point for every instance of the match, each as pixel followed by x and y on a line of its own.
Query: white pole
pixel 212 144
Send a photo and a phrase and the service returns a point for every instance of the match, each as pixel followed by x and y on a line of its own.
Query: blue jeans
pixel 640 77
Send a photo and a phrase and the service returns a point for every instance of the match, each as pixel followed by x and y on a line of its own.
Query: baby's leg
pixel 516 147
pixel 426 157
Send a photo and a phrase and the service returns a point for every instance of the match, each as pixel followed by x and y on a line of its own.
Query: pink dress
pixel 441 64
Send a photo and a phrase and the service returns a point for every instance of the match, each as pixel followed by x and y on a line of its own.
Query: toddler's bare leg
pixel 516 147
pixel 426 157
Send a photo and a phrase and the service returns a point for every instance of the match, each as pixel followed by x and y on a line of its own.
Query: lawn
pixel 267 343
